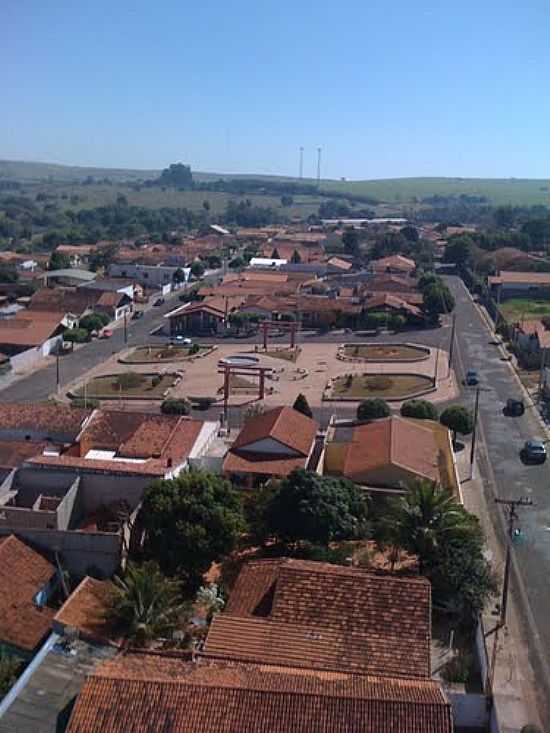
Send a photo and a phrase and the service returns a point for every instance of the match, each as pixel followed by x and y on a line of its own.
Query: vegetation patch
pixel 519 309
pixel 385 352
pixel 131 385
pixel 162 354
pixel 388 386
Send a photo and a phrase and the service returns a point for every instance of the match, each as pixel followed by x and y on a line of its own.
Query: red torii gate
pixel 291 326
pixel 241 371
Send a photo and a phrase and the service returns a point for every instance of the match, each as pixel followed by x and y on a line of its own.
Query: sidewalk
pixel 514 682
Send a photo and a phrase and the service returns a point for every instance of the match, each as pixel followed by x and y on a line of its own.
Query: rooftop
pixel 282 424
pixel 145 694
pixel 22 623
pixel 380 624
pixel 44 417
pixel 86 610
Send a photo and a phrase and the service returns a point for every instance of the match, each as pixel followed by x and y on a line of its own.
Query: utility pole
pixel 452 344
pixel 57 381
pixel 436 366
pixel 474 431
pixel 125 329
pixel 511 505
pixel 301 162
pixel 318 167
pixel 542 380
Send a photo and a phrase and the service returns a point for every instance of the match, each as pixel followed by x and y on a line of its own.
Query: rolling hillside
pixel 393 191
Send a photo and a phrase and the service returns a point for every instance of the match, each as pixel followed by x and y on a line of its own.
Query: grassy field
pixel 385 352
pixel 394 386
pixel 391 190
pixel 524 309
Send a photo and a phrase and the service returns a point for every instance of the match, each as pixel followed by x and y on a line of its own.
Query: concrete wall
pixel 102 489
pixel 469 710
pixel 79 552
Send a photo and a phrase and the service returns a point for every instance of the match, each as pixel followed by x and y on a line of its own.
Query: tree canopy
pixel 373 409
pixel 317 509
pixel 189 522
pixel 59 261
pixel 419 409
pixel 459 419
pixel 177 174
pixel 302 405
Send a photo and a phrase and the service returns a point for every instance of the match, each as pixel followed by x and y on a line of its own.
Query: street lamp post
pixel 511 505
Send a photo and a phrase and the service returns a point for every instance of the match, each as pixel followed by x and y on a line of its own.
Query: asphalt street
pixel 505 475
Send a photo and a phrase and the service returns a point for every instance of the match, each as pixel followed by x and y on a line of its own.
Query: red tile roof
pixel 391 300
pixel 24 330
pixel 392 441
pixel 380 624
pixel 509 277
pixel 261 465
pixel 43 416
pixel 226 698
pixel 13 453
pixel 23 573
pixel 87 608
pixel 282 424
pixel 393 262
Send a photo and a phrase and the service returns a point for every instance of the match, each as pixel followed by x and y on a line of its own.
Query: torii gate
pixel 241 371
pixel 291 326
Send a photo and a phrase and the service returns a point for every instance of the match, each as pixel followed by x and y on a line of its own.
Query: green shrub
pixel 379 382
pixel 76 335
pixel 419 409
pixel 130 380
pixel 157 379
pixel 373 409
pixel 89 402
pixel 195 348
pixel 175 407
pixel 10 669
pixel 457 669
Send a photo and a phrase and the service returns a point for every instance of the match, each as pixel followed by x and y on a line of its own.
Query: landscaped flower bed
pixel 383 352
pixel 128 385
pixel 387 386
pixel 164 353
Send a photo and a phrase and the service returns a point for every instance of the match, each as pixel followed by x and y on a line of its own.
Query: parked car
pixel 136 315
pixel 106 333
pixel 159 301
pixel 183 340
pixel 472 378
pixel 534 451
pixel 514 407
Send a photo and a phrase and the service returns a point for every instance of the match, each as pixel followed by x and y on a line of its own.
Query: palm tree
pixel 425 520
pixel 147 604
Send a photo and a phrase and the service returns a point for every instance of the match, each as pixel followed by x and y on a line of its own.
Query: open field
pixel 524 309
pixel 392 190
pixel 385 352
pixel 107 386
pixel 386 386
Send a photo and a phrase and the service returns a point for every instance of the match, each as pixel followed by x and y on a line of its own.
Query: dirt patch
pixel 286 354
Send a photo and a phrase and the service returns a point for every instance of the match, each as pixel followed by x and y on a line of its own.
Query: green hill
pixel 498 191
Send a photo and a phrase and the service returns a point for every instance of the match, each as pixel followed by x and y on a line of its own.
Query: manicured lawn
pixel 155 354
pixel 518 309
pixel 394 386
pixel 386 352
pixel 107 387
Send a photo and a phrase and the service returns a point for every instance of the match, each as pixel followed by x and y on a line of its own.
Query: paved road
pixel 503 472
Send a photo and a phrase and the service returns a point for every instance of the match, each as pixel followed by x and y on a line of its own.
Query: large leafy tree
pixel 458 419
pixel 146 604
pixel 373 409
pixel 59 261
pixel 419 409
pixel 316 509
pixel 189 522
pixel 448 543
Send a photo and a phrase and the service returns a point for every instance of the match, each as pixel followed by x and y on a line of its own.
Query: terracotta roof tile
pixel 242 462
pixel 282 424
pixel 22 623
pixel 86 610
pixel 229 698
pixel 42 416
pixel 392 441
pixel 389 616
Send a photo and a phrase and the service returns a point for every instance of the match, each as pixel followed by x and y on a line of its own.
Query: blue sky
pixel 386 89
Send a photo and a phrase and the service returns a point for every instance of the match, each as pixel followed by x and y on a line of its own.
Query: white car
pixel 183 340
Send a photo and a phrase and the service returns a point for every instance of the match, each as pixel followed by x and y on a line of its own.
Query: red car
pixel 106 333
